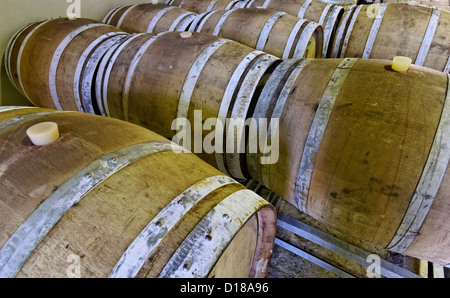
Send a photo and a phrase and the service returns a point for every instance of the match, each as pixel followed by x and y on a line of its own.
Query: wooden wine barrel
pixel 201 6
pixel 364 149
pixel 52 63
pixel 152 80
pixel 149 18
pixel 382 31
pixel 273 32
pixel 122 202
pixel 325 14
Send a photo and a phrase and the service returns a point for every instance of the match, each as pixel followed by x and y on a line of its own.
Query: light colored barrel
pixel 151 80
pixel 149 18
pixel 201 6
pixel 325 14
pixel 111 199
pixel 382 31
pixel 53 62
pixel 364 149
pixel 274 32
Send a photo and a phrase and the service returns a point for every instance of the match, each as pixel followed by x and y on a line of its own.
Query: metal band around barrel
pixel 124 15
pixel 191 80
pixel 292 36
pixel 350 30
pixel 429 183
pixel 182 21
pixel 447 66
pixel 324 14
pixel 57 57
pixel 160 226
pixel 26 238
pixel 303 8
pixel 157 17
pixel 267 95
pixel 27 117
pixel 19 58
pixel 340 31
pixel 193 75
pixel 225 105
pixel 130 74
pixel 221 21
pixel 111 14
pixel 8 52
pixel 202 248
pixel 266 3
pixel 239 113
pixel 198 18
pixel 428 38
pixel 374 31
pixel 84 91
pixel 265 32
pixel 303 41
pixel 278 110
pixel 204 18
pixel 86 67
pixel 329 28
pixel 317 131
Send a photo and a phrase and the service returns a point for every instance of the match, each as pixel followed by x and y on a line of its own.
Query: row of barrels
pixel 378 31
pixel 353 143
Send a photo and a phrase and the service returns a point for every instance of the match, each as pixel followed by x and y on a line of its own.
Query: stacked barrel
pixel 353 143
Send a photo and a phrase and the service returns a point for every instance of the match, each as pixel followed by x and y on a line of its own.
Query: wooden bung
pixel 121 201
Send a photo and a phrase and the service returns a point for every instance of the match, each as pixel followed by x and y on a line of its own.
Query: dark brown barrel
pixel 149 18
pixel 364 149
pixel 201 6
pixel 274 32
pixel 109 198
pixel 323 13
pixel 382 31
pixel 151 80
pixel 52 63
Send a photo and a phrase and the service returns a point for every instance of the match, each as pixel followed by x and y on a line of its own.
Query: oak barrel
pixel 382 31
pixel 52 63
pixel 326 14
pixel 364 149
pixel 149 18
pixel 153 80
pixel 273 32
pixel 201 6
pixel 111 199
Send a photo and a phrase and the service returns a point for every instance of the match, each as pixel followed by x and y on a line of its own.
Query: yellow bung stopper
pixel 43 133
pixel 186 34
pixel 401 63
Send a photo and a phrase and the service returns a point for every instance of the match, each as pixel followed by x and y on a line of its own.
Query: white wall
pixel 15 14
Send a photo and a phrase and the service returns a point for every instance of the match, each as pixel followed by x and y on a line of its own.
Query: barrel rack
pixel 287 224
